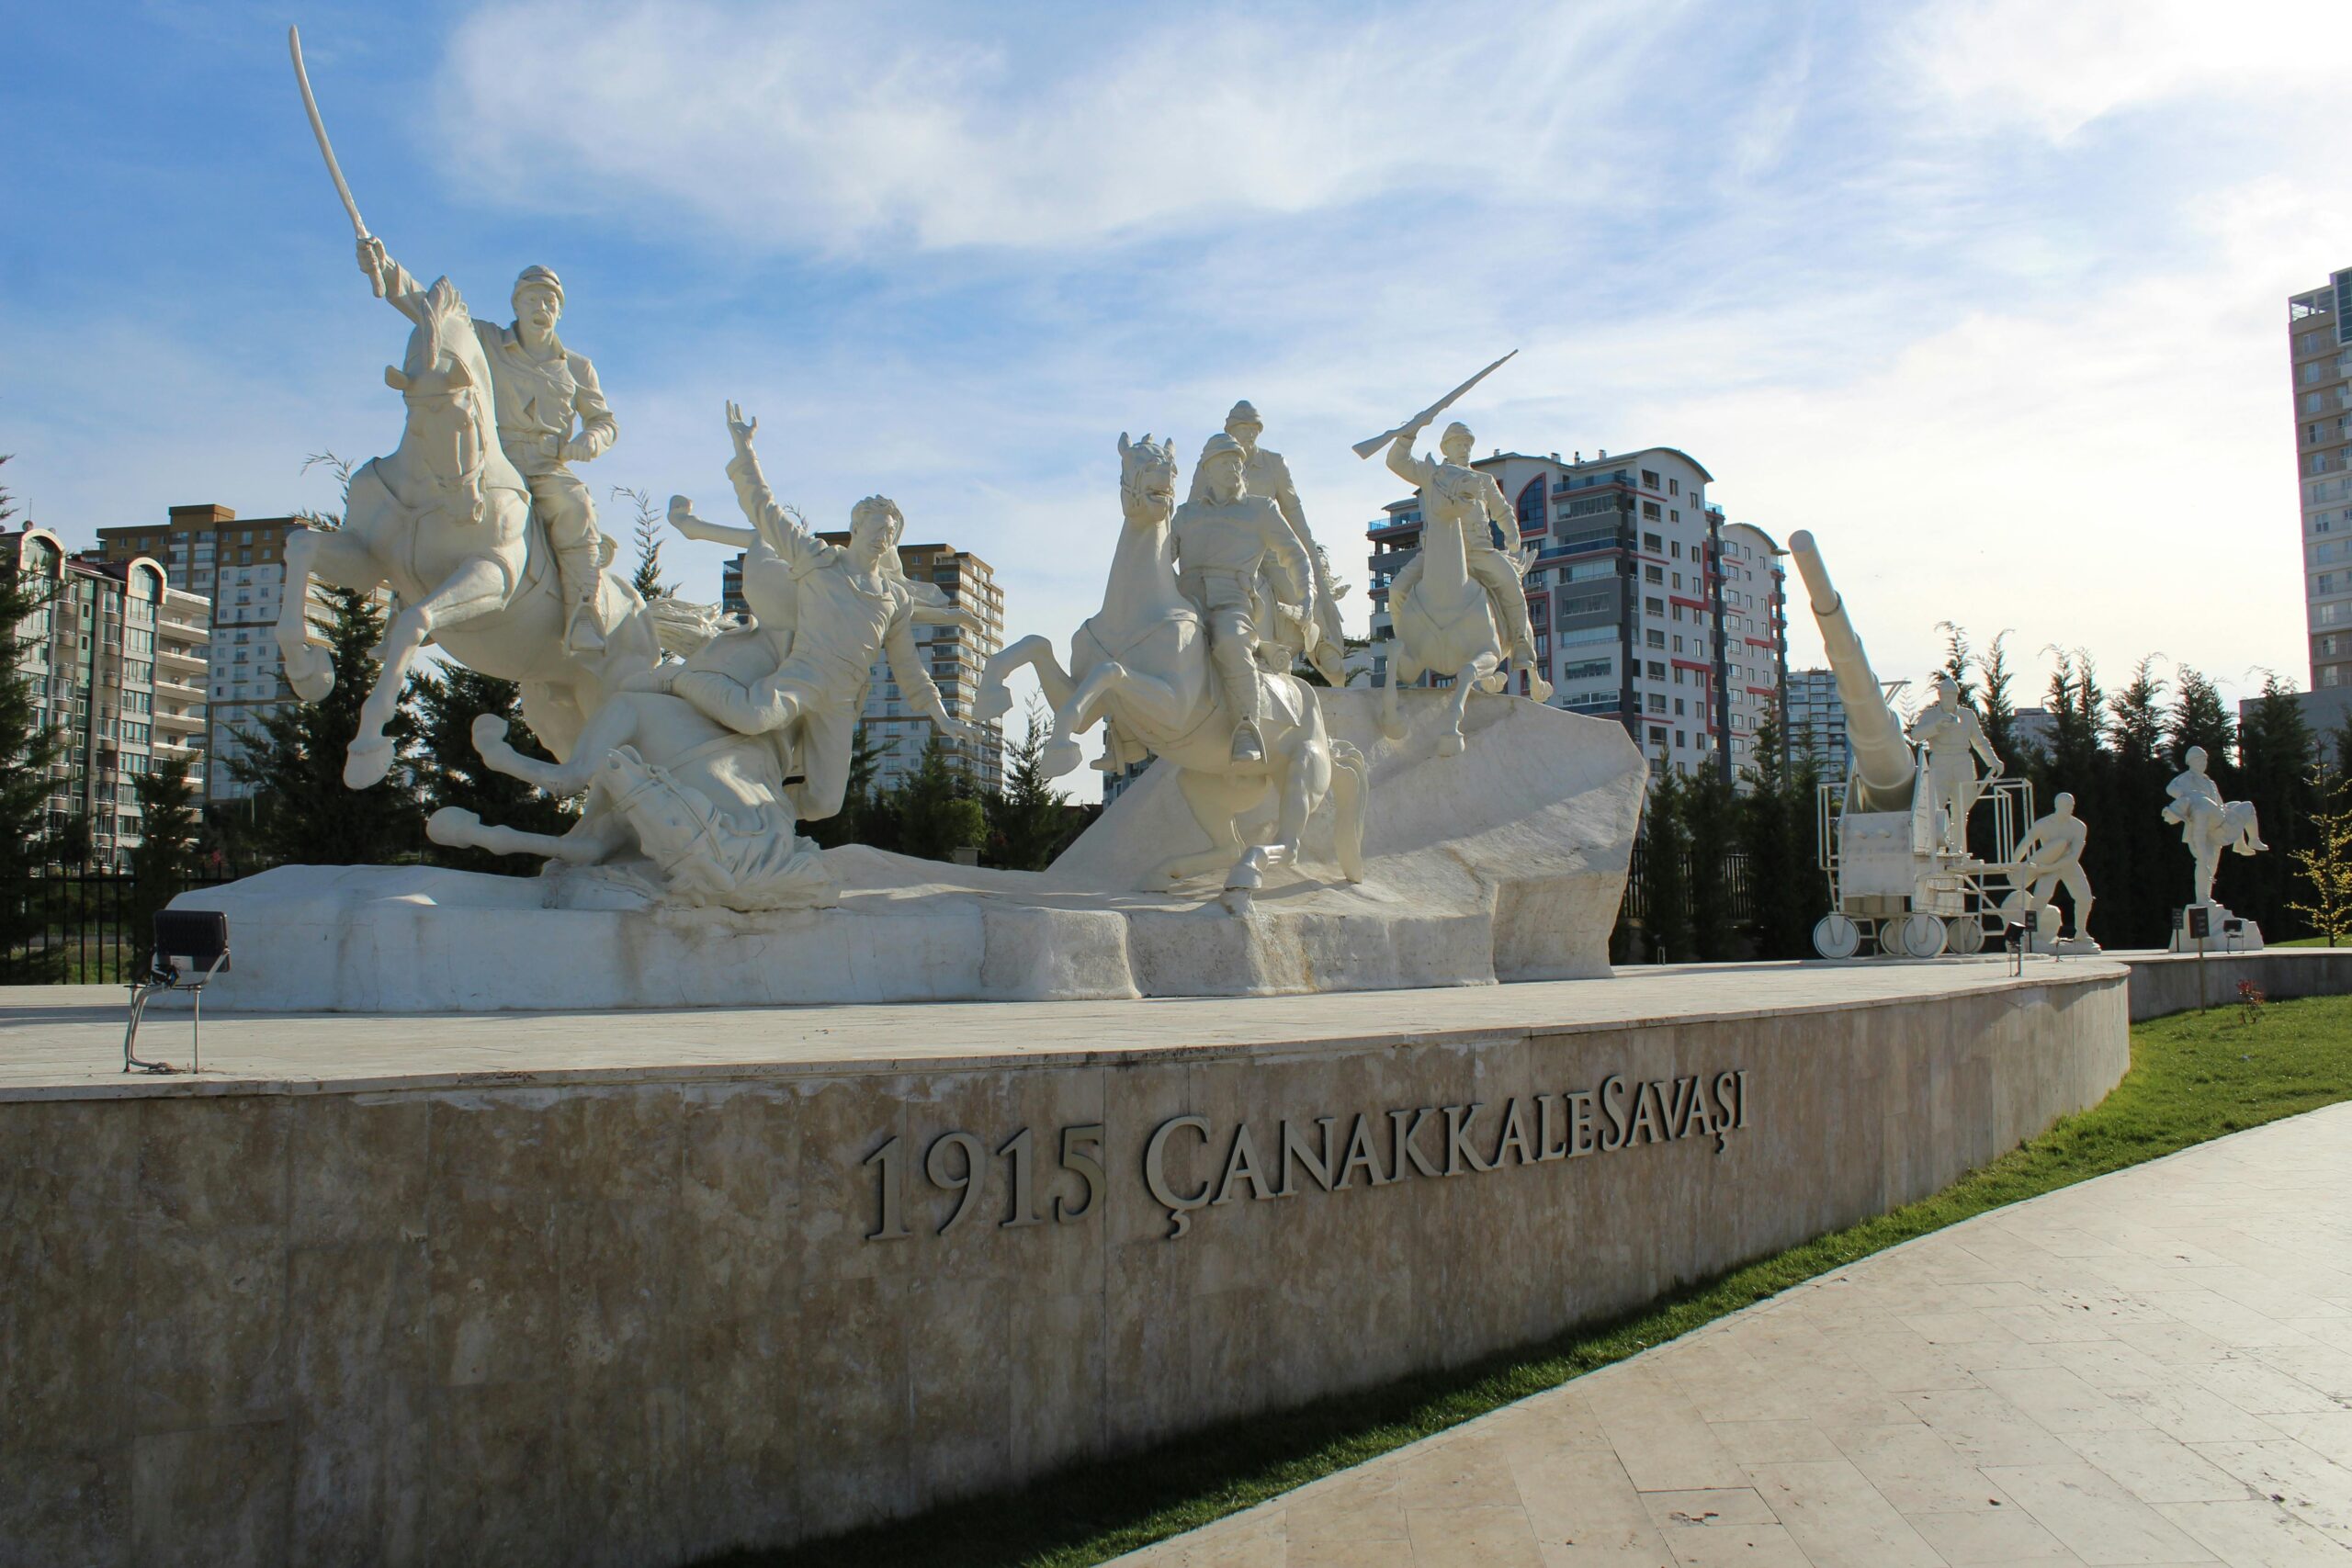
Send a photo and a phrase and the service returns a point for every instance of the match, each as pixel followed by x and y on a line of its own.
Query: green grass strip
pixel 2194 1077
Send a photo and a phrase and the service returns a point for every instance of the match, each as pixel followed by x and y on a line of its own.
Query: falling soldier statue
pixel 1224 539
pixel 540 387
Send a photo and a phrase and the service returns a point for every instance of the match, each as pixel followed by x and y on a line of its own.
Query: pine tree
pixel 647 528
pixel 1775 830
pixel 1666 868
pixel 29 751
pixel 450 771
pixel 1027 823
pixel 1709 815
pixel 166 849
pixel 937 812
pixel 303 813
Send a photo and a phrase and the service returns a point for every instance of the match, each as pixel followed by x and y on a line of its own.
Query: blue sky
pixel 1990 295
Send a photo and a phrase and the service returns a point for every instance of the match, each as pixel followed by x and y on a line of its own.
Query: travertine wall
pixel 2162 983
pixel 636 1321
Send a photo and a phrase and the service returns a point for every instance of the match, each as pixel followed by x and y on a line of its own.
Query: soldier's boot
pixel 1236 669
pixel 581 570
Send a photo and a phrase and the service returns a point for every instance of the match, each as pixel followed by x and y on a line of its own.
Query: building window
pixel 1649 480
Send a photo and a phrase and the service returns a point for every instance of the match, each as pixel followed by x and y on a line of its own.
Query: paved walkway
pixel 2152 1368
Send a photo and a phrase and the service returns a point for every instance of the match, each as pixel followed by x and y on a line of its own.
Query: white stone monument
pixel 2049 856
pixel 2208 825
pixel 1457 609
pixel 1251 863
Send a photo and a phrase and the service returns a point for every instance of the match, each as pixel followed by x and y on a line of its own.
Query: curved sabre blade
pixel 319 129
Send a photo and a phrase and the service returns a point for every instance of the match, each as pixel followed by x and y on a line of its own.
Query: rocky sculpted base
pixel 1505 864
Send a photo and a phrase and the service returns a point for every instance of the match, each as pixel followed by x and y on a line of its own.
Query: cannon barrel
pixel 1883 765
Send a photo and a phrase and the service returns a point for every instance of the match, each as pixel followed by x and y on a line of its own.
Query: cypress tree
pixel 2000 713
pixel 1709 815
pixel 2276 763
pixel 2134 908
pixel 1666 864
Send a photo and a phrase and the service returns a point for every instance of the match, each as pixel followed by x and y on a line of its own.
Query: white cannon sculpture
pixel 1900 874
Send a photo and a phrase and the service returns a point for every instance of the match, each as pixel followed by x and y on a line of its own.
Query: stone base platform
pixel 574 1290
pixel 1507 863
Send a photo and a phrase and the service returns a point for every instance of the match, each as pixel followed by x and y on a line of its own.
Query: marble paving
pixel 66 1040
pixel 2152 1368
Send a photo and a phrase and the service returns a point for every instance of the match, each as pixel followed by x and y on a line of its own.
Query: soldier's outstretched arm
pixel 393 281
pixel 683 518
pixel 785 533
pixel 1415 471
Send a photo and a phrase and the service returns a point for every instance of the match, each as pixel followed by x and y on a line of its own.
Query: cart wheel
pixel 1890 939
pixel 1835 936
pixel 1963 935
pixel 1922 934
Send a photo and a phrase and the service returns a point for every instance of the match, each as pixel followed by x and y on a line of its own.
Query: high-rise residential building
pixel 116 660
pixel 239 564
pixel 891 725
pixel 1818 720
pixel 2319 344
pixel 1646 606
pixel 2031 728
pixel 1752 608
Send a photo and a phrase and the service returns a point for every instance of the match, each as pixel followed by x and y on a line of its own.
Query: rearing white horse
pixel 446 521
pixel 1142 663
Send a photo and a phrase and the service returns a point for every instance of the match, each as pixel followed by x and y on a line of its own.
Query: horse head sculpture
pixel 1147 478
pixel 451 440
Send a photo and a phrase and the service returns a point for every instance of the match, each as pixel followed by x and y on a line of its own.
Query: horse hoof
pixel 1539 688
pixel 1237 901
pixel 365 765
pixel 452 825
pixel 1451 744
pixel 994 702
pixel 1061 756
pixel 310 673
pixel 489 732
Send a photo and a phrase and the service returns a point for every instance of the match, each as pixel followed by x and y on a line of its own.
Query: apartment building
pixel 117 659
pixel 2318 347
pixel 956 657
pixel 1817 721
pixel 239 564
pixel 1647 607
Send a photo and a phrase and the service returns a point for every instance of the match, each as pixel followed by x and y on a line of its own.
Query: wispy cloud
pixel 842 127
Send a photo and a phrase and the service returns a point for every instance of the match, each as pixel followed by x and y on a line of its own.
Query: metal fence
pixel 1734 873
pixel 85 926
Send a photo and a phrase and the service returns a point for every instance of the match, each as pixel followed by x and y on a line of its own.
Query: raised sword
pixel 327 149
